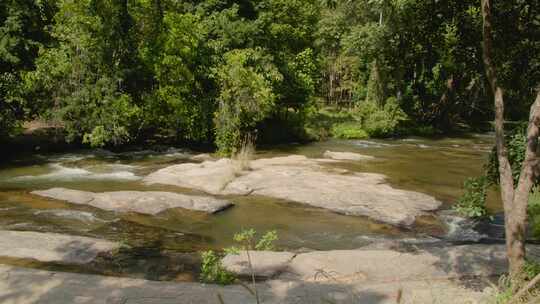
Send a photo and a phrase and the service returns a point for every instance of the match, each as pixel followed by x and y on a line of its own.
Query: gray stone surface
pixel 387 265
pixel 265 264
pixel 300 179
pixel 52 247
pixel 347 156
pixel 149 202
pixel 210 176
pixel 440 275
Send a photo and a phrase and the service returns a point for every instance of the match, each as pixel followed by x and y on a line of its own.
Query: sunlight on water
pixel 435 167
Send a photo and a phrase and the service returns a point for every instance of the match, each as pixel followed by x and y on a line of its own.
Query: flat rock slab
pixel 265 264
pixel 52 247
pixel 300 179
pixel 347 156
pixel 389 265
pixel 340 285
pixel 149 202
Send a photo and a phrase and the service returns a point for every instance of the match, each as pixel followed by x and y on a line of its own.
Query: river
pixel 163 247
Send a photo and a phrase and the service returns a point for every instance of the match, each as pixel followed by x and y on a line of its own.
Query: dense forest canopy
pixel 117 71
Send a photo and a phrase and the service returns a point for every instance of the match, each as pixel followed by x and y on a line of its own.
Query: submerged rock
pixel 149 202
pixel 52 247
pixel 265 264
pixel 202 157
pixel 347 156
pixel 300 179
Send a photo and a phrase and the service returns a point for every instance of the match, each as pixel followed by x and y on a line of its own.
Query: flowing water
pixel 163 247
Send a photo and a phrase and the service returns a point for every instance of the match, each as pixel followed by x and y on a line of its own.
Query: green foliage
pixel 246 96
pixel 531 269
pixel 320 122
pixel 212 271
pixel 508 286
pixel 349 130
pixel 180 103
pixel 472 203
pixel 247 240
pixel 112 72
pixel 368 120
pixel 534 212
pixel 381 121
pixel 84 80
pixel 22 32
pixel 516 144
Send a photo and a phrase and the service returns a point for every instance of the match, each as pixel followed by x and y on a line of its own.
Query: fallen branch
pixel 524 290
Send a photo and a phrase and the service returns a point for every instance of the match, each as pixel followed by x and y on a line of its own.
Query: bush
pixel 516 144
pixel 473 202
pixel 349 130
pixel 319 122
pixel 381 122
pixel 212 271
pixel 509 286
pixel 247 81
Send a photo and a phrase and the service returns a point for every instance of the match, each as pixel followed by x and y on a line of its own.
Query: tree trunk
pixel 514 201
pixel 517 222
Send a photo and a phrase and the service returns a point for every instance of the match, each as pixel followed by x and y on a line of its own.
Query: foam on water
pixel 62 173
pixel 370 144
pixel 67 157
pixel 461 229
pixel 71 214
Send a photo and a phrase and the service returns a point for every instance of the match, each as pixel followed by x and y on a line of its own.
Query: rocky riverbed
pixel 300 179
pixel 359 221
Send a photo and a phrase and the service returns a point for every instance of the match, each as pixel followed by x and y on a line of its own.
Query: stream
pixel 166 246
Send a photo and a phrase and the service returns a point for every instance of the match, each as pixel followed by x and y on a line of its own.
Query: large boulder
pixel 210 176
pixel 265 264
pixel 149 202
pixel 52 247
pixel 300 179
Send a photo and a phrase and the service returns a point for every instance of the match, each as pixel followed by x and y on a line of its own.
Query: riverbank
pixel 459 274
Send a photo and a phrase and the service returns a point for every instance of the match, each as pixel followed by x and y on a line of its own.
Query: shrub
pixel 349 130
pixel 381 122
pixel 473 202
pixel 516 145
pixel 212 270
pixel 247 81
pixel 508 288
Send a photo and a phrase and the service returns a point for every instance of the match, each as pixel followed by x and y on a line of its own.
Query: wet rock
pixel 149 202
pixel 52 247
pixel 265 264
pixel 202 157
pixel 70 214
pixel 347 156
pixel 300 179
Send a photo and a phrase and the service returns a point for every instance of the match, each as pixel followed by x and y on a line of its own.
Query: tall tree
pixel 514 197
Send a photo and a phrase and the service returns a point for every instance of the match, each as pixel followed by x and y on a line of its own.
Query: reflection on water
pixel 436 167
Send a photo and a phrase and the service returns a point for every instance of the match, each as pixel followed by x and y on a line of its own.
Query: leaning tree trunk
pixel 514 201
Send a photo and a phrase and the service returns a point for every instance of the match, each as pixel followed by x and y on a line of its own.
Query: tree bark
pixel 514 201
